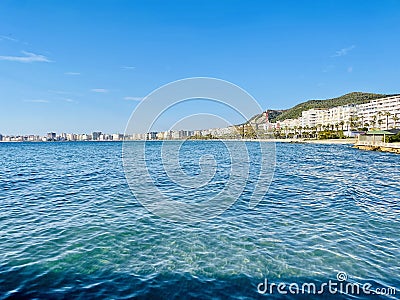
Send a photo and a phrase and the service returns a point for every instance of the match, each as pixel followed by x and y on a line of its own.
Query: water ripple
pixel 70 227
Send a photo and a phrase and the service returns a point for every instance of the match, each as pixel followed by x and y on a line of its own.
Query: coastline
pixel 307 141
pixel 392 148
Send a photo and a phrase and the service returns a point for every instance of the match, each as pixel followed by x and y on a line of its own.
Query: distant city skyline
pixel 84 66
pixel 379 113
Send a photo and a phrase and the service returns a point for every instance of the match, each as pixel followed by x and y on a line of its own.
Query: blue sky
pixel 79 66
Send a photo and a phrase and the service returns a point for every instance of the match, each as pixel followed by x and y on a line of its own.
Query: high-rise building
pixel 309 117
pixel 151 136
pixel 96 135
pixel 51 136
pixel 381 113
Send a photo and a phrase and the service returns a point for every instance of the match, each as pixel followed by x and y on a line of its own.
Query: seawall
pixel 383 148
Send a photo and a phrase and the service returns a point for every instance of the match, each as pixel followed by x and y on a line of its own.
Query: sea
pixel 74 226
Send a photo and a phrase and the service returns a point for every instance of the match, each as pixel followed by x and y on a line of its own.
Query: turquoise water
pixel 71 227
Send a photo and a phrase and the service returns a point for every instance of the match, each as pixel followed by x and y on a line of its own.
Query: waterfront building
pixel 309 117
pixel 197 133
pixel 162 135
pixel 151 135
pixel 374 137
pixel 381 113
pixel 83 137
pixel 290 123
pixel 117 137
pixel 51 136
pixel 32 138
pixel 175 135
pixel 71 137
pixel 342 114
pixel 62 137
pixel 138 136
pixel 96 135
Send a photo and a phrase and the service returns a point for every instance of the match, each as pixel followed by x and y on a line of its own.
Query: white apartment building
pixel 380 113
pixel 309 118
pixel 138 136
pixel 71 137
pixel 341 114
pixel 165 135
pixel 117 137
pixel 271 126
pixel 324 117
pixel 290 123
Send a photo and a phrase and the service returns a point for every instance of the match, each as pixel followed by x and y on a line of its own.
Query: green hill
pixel 351 98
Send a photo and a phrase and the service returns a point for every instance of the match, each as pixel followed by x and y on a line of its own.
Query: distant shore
pixel 308 141
pixel 392 147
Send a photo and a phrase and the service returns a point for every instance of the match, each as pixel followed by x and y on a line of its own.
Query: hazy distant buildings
pixel 151 136
pixel 51 136
pixel 96 135
pixel 71 137
pixel 136 136
pixel 381 113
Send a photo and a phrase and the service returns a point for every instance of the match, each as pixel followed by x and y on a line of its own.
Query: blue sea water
pixel 72 228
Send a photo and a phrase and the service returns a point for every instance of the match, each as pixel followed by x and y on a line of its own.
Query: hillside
pixel 351 98
pixel 260 119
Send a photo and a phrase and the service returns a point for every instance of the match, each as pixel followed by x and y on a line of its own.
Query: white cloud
pixel 133 98
pixel 28 58
pixel 128 67
pixel 69 100
pixel 72 73
pixel 343 51
pixel 37 101
pixel 65 93
pixel 7 38
pixel 99 90
pixel 350 69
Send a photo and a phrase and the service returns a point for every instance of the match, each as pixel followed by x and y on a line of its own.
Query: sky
pixel 81 66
